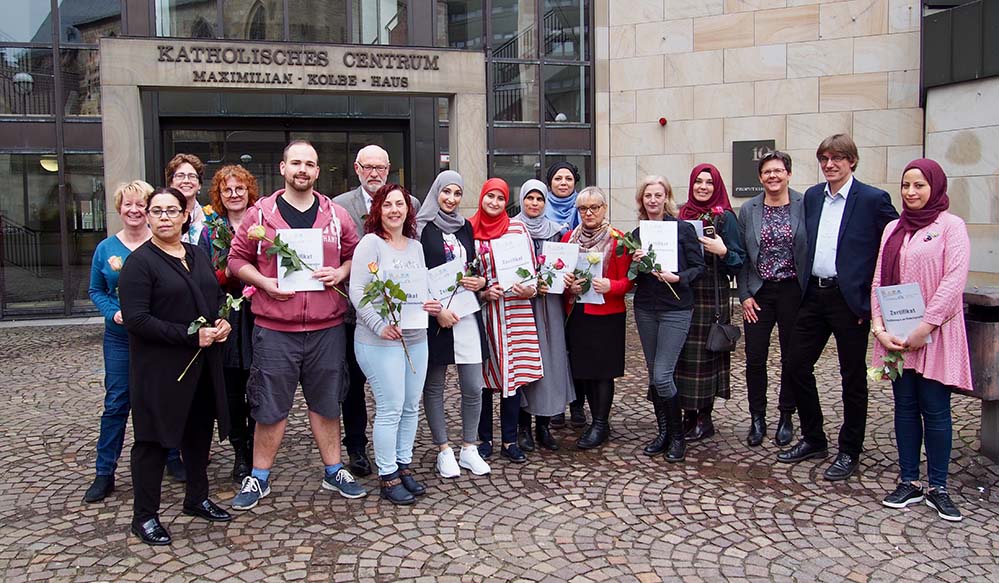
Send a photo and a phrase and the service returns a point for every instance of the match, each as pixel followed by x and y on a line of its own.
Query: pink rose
pixel 115 262
pixel 248 291
pixel 717 210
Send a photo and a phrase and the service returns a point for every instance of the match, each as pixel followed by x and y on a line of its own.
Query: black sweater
pixel 654 295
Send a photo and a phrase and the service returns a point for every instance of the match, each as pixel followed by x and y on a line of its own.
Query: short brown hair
pixel 783 157
pixel 841 144
pixel 284 154
pixel 176 161
pixel 218 183
pixel 669 206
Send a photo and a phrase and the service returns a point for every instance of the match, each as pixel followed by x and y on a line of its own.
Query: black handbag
pixel 721 337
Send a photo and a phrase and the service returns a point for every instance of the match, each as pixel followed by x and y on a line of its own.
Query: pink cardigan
pixel 936 257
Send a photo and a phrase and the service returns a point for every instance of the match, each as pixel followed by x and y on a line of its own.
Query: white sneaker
pixel 447 467
pixel 471 460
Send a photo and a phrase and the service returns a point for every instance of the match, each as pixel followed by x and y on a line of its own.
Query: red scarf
pixel 693 208
pixel 911 221
pixel 485 227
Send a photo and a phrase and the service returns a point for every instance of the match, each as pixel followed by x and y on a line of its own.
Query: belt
pixel 824 282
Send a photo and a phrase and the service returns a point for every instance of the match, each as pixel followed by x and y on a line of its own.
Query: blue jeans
pixel 663 335
pixel 116 403
pixel 922 413
pixel 397 391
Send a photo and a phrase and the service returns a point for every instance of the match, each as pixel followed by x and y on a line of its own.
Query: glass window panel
pixel 516 169
pixel 258 103
pixel 581 161
pixel 85 211
pixel 31 268
pixel 515 30
pixel 379 105
pixel 380 22
pixel 188 102
pixel 565 29
pixel 81 81
pixel 253 19
pixel 515 92
pixel 27 86
pixel 88 22
pixel 322 21
pixel 186 18
pixel 393 142
pixel 319 104
pixel 566 94
pixel 26 21
pixel 460 24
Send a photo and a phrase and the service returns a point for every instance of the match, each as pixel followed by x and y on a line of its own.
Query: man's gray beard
pixel 367 188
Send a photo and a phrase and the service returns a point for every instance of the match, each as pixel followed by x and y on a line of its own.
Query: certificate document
pixel 413 281
pixel 308 243
pixel 568 253
pixel 444 286
pixel 698 225
pixel 510 253
pixel 597 269
pixel 662 236
pixel 902 308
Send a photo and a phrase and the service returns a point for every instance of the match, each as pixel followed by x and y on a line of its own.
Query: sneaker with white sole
pixel 250 492
pixel 939 500
pixel 447 466
pixel 470 459
pixel 344 483
pixel 906 493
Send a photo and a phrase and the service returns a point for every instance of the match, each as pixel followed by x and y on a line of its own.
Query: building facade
pixel 93 92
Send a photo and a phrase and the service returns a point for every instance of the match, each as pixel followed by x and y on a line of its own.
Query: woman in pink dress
pixel 927 246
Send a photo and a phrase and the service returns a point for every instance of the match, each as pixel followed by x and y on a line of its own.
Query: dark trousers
pixel 509 417
pixel 779 302
pixel 148 458
pixel 922 415
pixel 241 423
pixel 354 409
pixel 823 313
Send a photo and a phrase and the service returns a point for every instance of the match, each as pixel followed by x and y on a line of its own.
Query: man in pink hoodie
pixel 298 336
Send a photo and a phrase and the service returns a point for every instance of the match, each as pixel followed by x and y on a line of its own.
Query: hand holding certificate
pixel 298 249
pixel 413 283
pixel 588 266
pixel 662 236
pixel 560 259
pixel 902 308
pixel 445 285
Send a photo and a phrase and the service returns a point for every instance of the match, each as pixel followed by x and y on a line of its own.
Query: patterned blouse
pixel 776 260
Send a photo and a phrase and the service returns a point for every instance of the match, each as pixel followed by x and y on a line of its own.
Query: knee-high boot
pixel 674 415
pixel 601 399
pixel 658 445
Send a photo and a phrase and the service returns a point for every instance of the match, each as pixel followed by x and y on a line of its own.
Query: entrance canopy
pixel 131 64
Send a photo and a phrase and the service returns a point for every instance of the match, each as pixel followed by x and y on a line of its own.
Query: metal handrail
pixel 21 246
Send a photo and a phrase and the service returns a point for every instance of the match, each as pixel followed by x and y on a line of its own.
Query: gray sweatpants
pixel 471 382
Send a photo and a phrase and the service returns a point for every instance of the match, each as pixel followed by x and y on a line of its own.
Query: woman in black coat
pixel 166 285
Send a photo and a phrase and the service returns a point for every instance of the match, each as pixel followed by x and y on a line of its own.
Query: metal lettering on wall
pixel 317 68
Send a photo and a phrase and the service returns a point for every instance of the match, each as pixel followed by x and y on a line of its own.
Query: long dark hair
pixel 373 224
pixel 181 200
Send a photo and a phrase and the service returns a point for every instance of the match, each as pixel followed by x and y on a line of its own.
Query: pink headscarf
pixel 913 220
pixel 693 208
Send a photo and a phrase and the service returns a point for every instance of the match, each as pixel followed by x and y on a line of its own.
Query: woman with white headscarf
pixel 550 395
pixel 446 236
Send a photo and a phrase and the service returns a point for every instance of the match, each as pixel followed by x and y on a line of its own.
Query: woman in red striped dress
pixel 514 351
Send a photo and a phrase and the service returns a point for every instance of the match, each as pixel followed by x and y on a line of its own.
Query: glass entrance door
pixel 259 151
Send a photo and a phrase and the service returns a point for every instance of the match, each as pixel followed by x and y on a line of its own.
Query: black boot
pixel 577 418
pixel 658 445
pixel 757 429
pixel 543 435
pixel 600 404
pixel 242 461
pixel 558 421
pixel 703 427
pixel 394 491
pixel 689 420
pixel 674 420
pixel 524 439
pixel 785 428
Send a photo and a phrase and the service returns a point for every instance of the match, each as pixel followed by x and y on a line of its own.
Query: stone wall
pixel 962 133
pixel 794 71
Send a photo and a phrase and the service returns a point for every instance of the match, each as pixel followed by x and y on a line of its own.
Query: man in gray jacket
pixel 372 168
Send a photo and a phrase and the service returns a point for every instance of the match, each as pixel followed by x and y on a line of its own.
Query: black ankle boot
pixel 757 430
pixel 785 428
pixel 393 490
pixel 543 435
pixel 674 419
pixel 577 418
pixel 703 427
pixel 524 439
pixel 601 400
pixel 658 445
pixel 409 482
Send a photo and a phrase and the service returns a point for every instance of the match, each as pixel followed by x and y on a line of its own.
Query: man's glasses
pixel 171 213
pixel 826 159
pixel 369 169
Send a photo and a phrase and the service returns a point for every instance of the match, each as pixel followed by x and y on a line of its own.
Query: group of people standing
pixel 182 352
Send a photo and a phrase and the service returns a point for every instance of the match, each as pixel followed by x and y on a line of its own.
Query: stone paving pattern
pixel 728 513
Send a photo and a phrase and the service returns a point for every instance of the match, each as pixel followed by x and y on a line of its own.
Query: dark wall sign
pixel 745 157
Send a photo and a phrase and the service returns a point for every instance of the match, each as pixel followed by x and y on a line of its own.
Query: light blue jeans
pixel 397 391
pixel 663 335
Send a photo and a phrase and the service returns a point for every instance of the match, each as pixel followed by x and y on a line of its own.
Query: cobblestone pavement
pixel 728 513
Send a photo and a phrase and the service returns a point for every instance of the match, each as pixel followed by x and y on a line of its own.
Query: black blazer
pixel 868 210
pixel 159 300
pixel 652 294
pixel 441 340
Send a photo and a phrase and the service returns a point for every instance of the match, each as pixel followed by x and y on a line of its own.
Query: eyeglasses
pixel 593 209
pixel 187 176
pixel 231 192
pixel 171 213
pixel 826 159
pixel 774 172
pixel 369 169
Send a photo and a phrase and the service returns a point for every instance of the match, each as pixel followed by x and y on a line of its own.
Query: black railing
pixel 21 246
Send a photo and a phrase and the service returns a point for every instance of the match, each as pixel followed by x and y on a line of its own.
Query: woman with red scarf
pixel 928 246
pixel 702 375
pixel 514 350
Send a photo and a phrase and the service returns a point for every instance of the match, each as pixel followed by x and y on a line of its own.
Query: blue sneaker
pixel 250 492
pixel 344 483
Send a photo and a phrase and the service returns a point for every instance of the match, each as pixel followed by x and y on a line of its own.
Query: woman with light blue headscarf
pixel 560 205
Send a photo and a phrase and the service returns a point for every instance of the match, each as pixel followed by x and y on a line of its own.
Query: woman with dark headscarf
pixel 514 353
pixel 548 396
pixel 446 236
pixel 930 247
pixel 702 375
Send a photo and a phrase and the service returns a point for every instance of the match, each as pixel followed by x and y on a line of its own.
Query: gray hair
pixel 591 192
pixel 372 149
